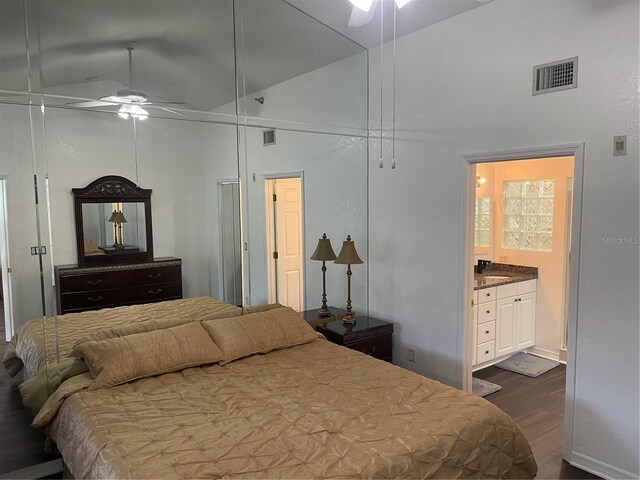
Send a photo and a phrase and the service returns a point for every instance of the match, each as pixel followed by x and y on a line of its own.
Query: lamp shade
pixel 119 218
pixel 112 218
pixel 324 251
pixel 348 254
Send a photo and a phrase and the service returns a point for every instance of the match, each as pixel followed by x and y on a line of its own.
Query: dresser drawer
pixel 95 299
pixel 486 332
pixel 486 295
pixel 486 312
pixel 380 347
pixel 486 352
pixel 119 278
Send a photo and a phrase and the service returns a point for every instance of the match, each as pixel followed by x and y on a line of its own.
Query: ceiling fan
pixel 131 101
pixel 363 11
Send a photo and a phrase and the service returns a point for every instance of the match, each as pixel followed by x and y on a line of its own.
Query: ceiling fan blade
pixel 114 99
pixel 167 110
pixel 360 17
pixel 153 102
pixel 91 104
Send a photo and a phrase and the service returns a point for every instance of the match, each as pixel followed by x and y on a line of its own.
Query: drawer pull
pixel 487 332
pixel 154 275
pixel 371 352
pixel 94 282
pixel 486 352
pixel 155 292
pixel 97 299
pixel 488 311
pixel 487 294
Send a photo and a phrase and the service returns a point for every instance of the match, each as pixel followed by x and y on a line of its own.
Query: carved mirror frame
pixel 112 189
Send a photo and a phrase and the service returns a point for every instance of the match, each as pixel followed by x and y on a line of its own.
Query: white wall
pixel 464 86
pixel 17 165
pixel 326 100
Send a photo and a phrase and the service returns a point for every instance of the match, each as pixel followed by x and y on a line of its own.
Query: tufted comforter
pixel 311 411
pixel 35 342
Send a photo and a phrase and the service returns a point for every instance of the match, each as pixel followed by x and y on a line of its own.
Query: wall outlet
pixel 412 354
pixel 620 145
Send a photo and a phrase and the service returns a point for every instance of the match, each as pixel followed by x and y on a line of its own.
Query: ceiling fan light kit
pixel 364 5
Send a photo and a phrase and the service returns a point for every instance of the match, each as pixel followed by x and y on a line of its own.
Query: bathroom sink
pixel 495 277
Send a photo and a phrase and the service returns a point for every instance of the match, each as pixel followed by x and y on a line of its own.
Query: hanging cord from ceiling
pixel 381 163
pixel 393 128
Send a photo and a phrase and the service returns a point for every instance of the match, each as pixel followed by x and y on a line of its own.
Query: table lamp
pixel 348 256
pixel 324 252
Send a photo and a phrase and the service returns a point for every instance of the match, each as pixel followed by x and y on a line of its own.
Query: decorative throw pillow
pixel 259 332
pixel 119 360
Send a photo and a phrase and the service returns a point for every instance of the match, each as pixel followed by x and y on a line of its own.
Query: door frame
pixel 5 261
pixel 465 270
pixel 269 227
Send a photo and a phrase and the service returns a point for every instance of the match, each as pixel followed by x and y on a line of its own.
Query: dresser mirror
pixel 113 222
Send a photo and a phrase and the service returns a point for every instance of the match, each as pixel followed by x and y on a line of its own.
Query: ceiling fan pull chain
pixel 393 138
pixel 381 164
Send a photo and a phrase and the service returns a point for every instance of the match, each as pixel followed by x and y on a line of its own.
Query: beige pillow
pixel 259 332
pixel 119 360
pixel 130 329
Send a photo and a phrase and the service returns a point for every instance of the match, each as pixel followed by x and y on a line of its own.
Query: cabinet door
pixel 526 320
pixel 506 326
pixel 475 334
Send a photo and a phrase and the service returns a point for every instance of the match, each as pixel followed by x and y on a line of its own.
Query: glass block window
pixel 483 221
pixel 527 215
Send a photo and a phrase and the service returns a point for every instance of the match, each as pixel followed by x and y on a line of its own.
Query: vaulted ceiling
pixel 185 48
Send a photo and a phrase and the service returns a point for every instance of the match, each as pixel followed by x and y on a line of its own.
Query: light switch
pixel 619 145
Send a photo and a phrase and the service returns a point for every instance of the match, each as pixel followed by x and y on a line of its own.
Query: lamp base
pixel 349 318
pixel 324 312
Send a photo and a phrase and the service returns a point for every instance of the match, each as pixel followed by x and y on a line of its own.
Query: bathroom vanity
pixel 504 313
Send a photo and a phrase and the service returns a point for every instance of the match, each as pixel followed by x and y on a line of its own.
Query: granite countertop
pixel 516 273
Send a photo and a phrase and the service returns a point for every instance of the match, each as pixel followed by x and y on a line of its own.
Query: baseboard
pixel 544 353
pixel 599 468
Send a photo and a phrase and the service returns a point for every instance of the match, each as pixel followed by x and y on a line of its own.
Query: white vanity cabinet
pixel 505 320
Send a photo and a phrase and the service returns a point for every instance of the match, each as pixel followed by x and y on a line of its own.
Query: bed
pixel 35 346
pixel 298 409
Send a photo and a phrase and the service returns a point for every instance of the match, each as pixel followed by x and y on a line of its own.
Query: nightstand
pixel 368 335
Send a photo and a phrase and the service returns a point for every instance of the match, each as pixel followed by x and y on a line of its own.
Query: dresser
pixel 91 288
pixel 368 335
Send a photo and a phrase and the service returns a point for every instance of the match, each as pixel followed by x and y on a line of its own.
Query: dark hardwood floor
pixel 537 406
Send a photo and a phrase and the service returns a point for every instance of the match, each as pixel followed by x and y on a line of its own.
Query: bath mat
pixel 482 388
pixel 528 365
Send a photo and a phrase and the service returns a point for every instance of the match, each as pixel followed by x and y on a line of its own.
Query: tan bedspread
pixel 311 411
pixel 35 342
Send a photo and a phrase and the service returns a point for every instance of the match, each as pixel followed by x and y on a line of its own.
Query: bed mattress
pixel 312 411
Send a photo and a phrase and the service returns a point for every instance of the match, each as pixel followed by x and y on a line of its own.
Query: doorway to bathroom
pixel 284 240
pixel 522 217
pixel 520 275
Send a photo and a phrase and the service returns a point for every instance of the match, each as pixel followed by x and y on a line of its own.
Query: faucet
pixel 482 264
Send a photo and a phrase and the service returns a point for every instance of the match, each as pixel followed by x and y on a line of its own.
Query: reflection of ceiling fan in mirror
pixel 130 101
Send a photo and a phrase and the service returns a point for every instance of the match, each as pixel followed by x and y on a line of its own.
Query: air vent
pixel 268 137
pixel 555 76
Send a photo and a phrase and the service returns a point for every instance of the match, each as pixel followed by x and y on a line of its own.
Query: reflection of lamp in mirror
pixel 348 256
pixel 117 218
pixel 324 252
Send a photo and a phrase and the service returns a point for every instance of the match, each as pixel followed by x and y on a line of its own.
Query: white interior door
pixel 5 266
pixel 287 231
